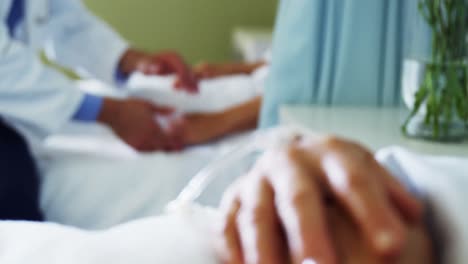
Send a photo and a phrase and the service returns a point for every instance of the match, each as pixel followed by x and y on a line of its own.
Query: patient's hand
pixel 199 128
pixel 279 211
pixel 209 70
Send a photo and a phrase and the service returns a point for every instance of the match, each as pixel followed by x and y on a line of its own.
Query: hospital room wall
pixel 199 29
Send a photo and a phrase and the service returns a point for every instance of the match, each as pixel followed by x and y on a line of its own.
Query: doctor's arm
pixel 31 93
pixel 44 100
pixel 80 39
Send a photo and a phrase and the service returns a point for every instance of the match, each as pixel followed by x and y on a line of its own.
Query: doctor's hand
pixel 133 120
pixel 278 211
pixel 162 63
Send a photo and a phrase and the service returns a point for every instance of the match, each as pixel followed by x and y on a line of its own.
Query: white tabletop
pixel 373 127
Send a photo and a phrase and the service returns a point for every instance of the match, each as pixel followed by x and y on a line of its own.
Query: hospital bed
pixel 101 182
pixel 188 235
pixel 92 180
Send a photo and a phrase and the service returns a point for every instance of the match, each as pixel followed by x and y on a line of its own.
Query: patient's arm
pixel 201 128
pixel 208 71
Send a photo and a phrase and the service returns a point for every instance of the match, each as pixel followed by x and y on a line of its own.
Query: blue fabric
pixel 19 181
pixel 120 77
pixel 89 109
pixel 340 52
pixel 15 16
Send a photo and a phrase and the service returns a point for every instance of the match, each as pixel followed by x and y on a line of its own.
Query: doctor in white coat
pixel 41 99
pixel 33 94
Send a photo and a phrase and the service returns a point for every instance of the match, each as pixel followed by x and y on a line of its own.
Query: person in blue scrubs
pixel 341 52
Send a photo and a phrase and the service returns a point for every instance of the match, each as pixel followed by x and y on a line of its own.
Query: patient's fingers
pixel 359 187
pixel 409 207
pixel 230 247
pixel 300 205
pixel 260 230
pixel 291 203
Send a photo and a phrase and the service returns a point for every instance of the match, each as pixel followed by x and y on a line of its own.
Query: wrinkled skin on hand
pixel 280 211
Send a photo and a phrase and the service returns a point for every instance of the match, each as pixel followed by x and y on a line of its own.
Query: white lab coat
pixel 35 95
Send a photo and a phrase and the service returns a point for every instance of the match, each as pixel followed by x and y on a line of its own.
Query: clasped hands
pixel 134 120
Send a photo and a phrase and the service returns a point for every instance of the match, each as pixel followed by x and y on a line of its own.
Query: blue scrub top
pixel 336 52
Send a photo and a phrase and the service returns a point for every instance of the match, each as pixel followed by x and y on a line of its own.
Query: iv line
pixel 259 141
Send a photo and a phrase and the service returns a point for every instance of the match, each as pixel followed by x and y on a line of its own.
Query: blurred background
pixel 199 30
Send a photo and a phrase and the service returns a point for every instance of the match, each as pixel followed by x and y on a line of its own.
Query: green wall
pixel 199 29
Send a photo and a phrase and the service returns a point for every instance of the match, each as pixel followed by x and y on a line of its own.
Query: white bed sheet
pixel 91 180
pixel 189 236
pixel 169 239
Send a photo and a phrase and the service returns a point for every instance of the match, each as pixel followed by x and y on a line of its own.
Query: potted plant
pixel 435 87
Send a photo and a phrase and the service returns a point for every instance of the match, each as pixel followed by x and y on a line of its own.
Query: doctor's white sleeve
pixel 79 40
pixel 31 93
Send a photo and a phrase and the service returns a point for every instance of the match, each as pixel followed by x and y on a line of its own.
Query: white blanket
pixel 91 180
pixel 170 239
pixel 188 237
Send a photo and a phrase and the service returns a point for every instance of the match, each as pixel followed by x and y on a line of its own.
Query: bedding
pixel 90 179
pixel 169 239
pixel 188 235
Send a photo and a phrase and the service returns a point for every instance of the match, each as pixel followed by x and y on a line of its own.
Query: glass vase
pixel 435 72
